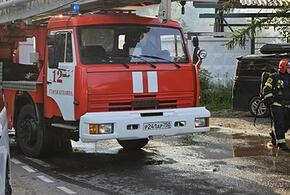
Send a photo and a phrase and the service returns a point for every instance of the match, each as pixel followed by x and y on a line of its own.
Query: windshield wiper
pixel 159 58
pixel 126 65
pixel 141 58
pixel 110 59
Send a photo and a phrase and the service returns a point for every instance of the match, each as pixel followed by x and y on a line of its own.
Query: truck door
pixel 60 81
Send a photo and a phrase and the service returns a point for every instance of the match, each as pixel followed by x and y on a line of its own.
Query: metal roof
pixel 265 3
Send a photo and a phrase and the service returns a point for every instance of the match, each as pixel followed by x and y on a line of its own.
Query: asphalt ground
pixel 221 161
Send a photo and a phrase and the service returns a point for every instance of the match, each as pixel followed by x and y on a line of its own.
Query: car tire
pixel 133 144
pixel 263 111
pixel 8 189
pixel 32 136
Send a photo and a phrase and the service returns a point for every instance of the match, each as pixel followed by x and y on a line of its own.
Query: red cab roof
pixel 105 19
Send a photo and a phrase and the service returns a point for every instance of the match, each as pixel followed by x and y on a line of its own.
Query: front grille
pixel 142 105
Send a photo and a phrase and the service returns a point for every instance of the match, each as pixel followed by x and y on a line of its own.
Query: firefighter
pixel 276 94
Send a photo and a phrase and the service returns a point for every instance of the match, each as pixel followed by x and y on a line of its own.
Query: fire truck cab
pixel 100 76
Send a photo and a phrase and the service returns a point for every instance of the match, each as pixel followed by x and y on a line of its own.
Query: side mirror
pixel 195 41
pixel 202 54
pixel 198 55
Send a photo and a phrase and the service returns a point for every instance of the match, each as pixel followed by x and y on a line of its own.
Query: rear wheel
pixel 262 111
pixel 32 136
pixel 133 144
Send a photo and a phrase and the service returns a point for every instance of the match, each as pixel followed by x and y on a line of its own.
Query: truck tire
pixel 263 111
pixel 32 136
pixel 8 189
pixel 133 144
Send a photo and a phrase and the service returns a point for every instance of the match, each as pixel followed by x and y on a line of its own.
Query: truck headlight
pixel 201 122
pixel 105 128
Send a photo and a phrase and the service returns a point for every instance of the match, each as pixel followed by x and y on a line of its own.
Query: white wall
pixel 220 61
pixel 25 49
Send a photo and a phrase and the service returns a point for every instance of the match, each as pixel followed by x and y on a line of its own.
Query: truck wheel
pixel 8 189
pixel 263 111
pixel 133 144
pixel 31 135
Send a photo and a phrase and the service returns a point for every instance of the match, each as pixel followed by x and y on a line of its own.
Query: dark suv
pixel 246 88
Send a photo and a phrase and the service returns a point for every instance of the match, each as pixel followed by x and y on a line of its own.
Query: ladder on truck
pixel 14 10
pixel 30 10
pixel 37 10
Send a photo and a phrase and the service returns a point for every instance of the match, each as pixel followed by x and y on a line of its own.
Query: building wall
pixel 220 62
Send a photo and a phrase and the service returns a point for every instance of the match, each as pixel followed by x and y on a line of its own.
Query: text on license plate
pixel 157 125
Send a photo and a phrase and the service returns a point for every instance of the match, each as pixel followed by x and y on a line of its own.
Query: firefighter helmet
pixel 284 63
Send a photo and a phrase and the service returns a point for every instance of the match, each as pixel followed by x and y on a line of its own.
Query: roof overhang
pixel 265 3
pixel 243 3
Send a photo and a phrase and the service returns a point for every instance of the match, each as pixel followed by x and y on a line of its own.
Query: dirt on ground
pixel 241 121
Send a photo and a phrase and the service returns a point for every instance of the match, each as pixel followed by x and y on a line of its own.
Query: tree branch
pixel 240 35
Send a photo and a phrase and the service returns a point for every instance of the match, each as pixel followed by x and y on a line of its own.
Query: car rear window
pixel 255 67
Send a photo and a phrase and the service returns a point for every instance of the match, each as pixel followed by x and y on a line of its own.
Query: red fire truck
pixel 98 76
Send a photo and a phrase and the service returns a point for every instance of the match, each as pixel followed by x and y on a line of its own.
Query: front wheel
pixel 262 111
pixel 133 144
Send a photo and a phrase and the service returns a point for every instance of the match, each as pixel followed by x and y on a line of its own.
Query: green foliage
pixel 205 77
pixel 229 5
pixel 239 35
pixel 215 96
pixel 282 26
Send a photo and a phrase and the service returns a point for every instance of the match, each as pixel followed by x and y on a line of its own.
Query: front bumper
pixel 121 120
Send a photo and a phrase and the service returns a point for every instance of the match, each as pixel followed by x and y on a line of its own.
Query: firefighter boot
pixel 283 146
pixel 273 138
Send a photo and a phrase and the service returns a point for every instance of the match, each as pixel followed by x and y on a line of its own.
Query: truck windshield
pixel 118 44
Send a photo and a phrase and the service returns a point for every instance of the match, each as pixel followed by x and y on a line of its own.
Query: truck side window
pixel 68 52
pixel 64 45
pixel 61 47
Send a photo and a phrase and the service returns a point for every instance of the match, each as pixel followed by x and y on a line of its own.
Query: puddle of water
pixel 104 147
pixel 105 155
pixel 153 162
pixel 222 144
pixel 256 145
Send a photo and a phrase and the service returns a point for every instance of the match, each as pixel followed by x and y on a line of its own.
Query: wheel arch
pixel 23 98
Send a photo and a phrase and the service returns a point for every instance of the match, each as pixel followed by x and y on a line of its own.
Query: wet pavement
pixel 216 162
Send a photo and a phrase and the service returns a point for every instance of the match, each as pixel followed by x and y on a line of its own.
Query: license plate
pixel 157 125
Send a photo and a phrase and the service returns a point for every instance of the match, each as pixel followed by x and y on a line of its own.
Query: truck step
pixel 64 126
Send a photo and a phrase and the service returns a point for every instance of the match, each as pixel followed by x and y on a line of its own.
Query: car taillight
pixel 2 104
